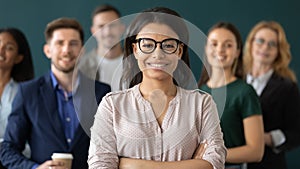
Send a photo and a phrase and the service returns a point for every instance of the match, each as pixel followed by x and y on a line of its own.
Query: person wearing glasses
pixel 154 122
pixel 241 120
pixel 266 61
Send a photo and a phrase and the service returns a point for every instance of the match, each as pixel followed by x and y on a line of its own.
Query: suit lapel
pixel 270 86
pixel 49 103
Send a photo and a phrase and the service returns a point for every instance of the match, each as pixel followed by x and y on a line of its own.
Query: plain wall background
pixel 31 17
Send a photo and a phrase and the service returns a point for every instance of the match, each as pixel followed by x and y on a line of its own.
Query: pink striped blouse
pixel 125 126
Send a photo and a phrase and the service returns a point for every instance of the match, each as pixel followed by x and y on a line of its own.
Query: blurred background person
pixel 222 74
pixel 104 63
pixel 266 60
pixel 45 110
pixel 15 66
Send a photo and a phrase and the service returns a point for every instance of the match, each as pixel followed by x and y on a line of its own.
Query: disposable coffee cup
pixel 66 158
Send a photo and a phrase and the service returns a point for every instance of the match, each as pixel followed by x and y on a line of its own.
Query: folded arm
pixel 128 163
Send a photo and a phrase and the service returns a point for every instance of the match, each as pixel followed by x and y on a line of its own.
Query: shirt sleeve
pixel 103 149
pixel 291 120
pixel 250 105
pixel 16 135
pixel 215 152
pixel 278 139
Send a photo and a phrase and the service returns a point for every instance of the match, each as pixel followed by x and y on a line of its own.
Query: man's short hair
pixel 63 23
pixel 105 8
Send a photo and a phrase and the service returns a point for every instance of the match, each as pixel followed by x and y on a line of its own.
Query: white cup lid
pixel 62 155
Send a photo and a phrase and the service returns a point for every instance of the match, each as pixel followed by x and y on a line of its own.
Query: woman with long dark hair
pixel 238 104
pixel 155 121
pixel 15 66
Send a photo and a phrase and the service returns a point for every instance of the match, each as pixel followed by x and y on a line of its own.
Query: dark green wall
pixel 32 15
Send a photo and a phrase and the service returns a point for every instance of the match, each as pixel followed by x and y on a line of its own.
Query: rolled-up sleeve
pixel 215 152
pixel 103 149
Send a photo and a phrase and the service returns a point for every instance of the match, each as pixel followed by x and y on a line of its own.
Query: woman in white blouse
pixel 156 122
pixel 15 66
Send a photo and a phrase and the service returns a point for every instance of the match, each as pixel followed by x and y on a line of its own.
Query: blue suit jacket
pixel 35 119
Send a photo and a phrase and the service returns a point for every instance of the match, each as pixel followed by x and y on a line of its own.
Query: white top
pixel 125 126
pixel 7 98
pixel 103 69
pixel 260 82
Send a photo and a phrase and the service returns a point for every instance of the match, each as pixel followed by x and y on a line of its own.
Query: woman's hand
pixel 268 139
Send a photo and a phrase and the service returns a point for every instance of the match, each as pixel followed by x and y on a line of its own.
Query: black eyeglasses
pixel 148 45
pixel 261 41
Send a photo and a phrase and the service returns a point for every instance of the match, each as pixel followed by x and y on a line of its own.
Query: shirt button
pixel 69 140
pixel 68 119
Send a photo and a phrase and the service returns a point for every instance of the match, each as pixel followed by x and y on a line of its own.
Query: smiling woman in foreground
pixel 156 122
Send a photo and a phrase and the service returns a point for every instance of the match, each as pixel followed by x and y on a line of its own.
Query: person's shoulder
pixel 121 93
pixel 88 81
pixel 242 87
pixel 240 82
pixel 101 89
pixel 102 85
pixel 35 82
pixel 124 94
pixel 283 81
pixel 195 92
pixel 33 86
pixel 88 60
pixel 196 97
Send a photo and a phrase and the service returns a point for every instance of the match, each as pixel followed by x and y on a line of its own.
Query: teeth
pixel 157 65
pixel 220 57
pixel 66 59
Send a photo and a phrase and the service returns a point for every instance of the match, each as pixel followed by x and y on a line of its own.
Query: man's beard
pixel 69 70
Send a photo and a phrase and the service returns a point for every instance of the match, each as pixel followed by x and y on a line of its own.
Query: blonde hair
pixel 281 63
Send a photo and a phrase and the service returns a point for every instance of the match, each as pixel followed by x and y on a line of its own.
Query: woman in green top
pixel 238 104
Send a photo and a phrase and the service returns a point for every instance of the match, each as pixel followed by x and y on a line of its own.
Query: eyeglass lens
pixel 261 41
pixel 148 45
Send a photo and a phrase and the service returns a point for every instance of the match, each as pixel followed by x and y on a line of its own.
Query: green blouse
pixel 235 102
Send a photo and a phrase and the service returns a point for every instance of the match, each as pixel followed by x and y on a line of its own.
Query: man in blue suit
pixel 53 113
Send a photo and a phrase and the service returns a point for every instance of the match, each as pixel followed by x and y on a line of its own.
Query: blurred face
pixel 157 62
pixel 8 52
pixel 221 48
pixel 63 49
pixel 107 32
pixel 265 46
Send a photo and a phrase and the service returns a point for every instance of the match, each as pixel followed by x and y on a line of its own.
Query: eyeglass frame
pixel 261 41
pixel 155 44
